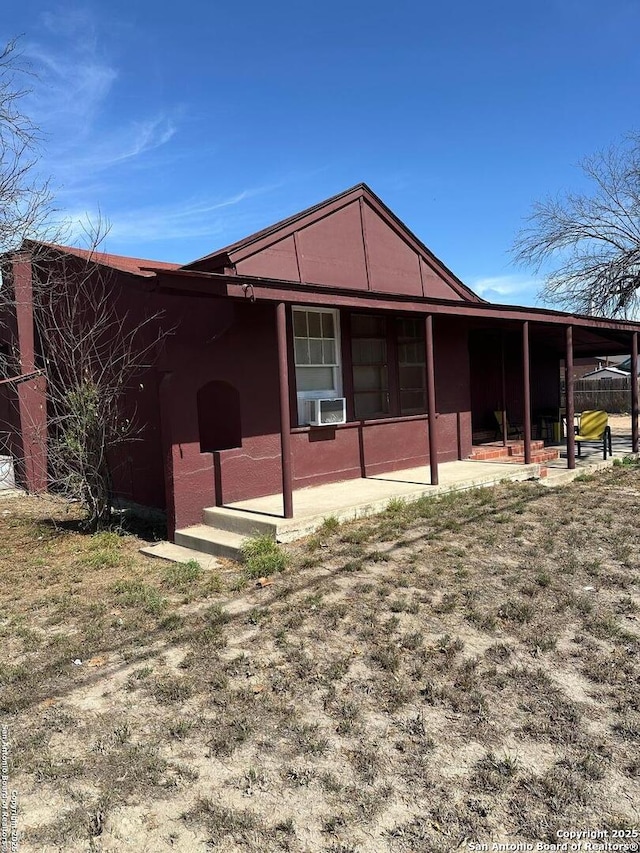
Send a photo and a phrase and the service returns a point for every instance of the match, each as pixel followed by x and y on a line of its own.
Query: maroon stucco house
pixel 338 303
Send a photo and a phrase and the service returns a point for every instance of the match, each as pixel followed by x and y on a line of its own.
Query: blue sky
pixel 189 125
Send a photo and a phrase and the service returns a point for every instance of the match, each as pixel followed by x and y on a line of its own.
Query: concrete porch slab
pixel 225 529
pixel 357 498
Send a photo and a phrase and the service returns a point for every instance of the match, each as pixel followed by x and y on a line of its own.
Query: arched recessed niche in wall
pixel 219 420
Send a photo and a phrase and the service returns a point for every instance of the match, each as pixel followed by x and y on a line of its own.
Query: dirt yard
pixel 620 424
pixel 455 671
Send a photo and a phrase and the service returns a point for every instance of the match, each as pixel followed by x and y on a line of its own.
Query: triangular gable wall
pixel 349 242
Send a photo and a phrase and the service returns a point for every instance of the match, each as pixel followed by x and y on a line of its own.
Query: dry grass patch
pixel 456 669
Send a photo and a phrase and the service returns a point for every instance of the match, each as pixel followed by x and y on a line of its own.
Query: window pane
pixel 368 351
pixel 411 366
pixel 368 325
pixel 377 351
pixel 315 352
pixel 371 405
pixel 369 378
pixel 301 348
pixel 327 326
pixel 370 373
pixel 412 402
pixel 315 379
pixel 357 351
pixel 408 328
pixel 328 352
pixel 315 327
pixel 411 377
pixel 300 324
pixel 411 354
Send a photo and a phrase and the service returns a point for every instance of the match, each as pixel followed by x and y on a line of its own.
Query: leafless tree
pixel 93 350
pixel 25 199
pixel 590 242
pixel 89 347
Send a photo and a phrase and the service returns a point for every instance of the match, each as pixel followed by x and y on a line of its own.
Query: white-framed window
pixel 316 345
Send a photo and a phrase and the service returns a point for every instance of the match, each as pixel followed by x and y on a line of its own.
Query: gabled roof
pixel 606 373
pixel 625 366
pixel 133 266
pixel 351 240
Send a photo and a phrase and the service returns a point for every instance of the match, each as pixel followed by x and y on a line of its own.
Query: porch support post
pixel 31 440
pixel 285 412
pixel 634 392
pixel 571 442
pixel 431 400
pixel 503 382
pixel 526 388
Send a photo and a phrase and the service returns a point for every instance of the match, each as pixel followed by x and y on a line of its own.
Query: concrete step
pixel 179 554
pixel 211 540
pixel 538 456
pixel 516 448
pixel 244 523
pixel 485 454
pixel 561 476
pixel 513 452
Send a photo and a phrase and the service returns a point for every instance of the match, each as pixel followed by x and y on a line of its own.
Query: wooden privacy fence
pixel 612 395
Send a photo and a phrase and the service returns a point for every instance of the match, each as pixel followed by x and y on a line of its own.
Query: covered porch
pixel 511 352
pixel 533 333
pixel 226 528
pixel 591 458
pixel 372 494
pixel 516 399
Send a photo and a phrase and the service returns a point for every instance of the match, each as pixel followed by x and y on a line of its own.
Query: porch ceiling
pixel 587 340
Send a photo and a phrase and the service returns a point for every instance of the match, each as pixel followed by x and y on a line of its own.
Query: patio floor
pixel 225 528
pixel 359 497
pixel 365 496
pixel 592 456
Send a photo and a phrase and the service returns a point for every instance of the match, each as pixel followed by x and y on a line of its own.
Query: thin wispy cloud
pixel 75 76
pixel 122 160
pixel 190 219
pixel 510 288
pixel 72 88
pixel 122 145
pixel 75 104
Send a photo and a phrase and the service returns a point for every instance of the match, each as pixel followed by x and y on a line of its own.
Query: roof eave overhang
pixel 243 249
pixel 253 288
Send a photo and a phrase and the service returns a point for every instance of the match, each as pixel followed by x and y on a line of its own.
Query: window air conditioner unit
pixel 326 412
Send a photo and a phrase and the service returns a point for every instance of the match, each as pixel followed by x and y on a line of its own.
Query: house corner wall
pixel 31 443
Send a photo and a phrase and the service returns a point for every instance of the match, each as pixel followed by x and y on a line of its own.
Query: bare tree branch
pixel 87 345
pixel 93 350
pixel 25 199
pixel 591 242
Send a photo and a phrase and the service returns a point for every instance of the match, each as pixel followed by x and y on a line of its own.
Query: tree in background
pixel 93 351
pixel 89 348
pixel 25 199
pixel 591 241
